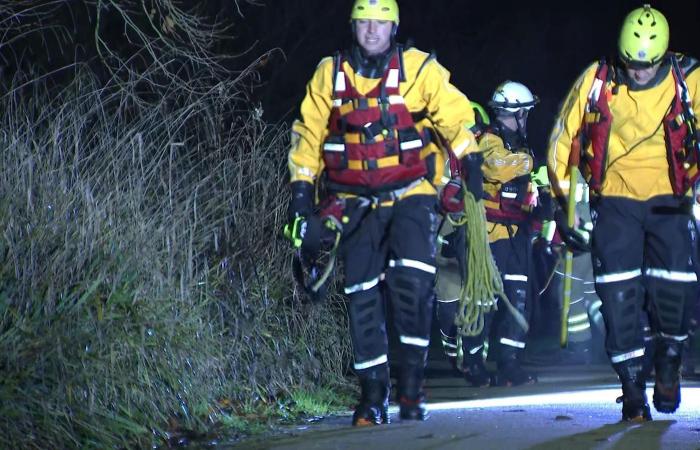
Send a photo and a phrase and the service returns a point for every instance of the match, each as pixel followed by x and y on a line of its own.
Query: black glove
pixel 454 245
pixel 302 202
pixel 544 210
pixel 573 238
pixel 471 167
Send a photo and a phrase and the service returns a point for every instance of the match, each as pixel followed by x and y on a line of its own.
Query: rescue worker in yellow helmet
pixel 510 199
pixel 368 129
pixel 630 126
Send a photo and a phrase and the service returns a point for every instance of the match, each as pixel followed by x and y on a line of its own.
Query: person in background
pixel 510 199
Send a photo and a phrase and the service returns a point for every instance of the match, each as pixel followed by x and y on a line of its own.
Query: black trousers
pixel 644 263
pixel 507 338
pixel 389 261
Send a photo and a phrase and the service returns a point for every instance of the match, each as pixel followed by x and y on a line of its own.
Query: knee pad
pixel 411 293
pixel 367 324
pixel 670 305
pixel 622 306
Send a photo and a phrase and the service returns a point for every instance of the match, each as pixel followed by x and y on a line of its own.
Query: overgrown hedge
pixel 144 284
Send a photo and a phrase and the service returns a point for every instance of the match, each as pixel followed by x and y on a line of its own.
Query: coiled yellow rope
pixel 483 285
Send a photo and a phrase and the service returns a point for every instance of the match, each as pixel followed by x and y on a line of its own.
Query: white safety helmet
pixel 513 96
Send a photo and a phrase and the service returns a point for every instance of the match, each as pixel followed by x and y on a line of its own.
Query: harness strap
pixel 380 163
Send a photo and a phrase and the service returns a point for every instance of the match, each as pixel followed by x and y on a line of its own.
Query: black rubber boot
pixel 475 372
pixel 510 373
pixel 373 408
pixel 411 398
pixel 634 402
pixel 633 375
pixel 667 366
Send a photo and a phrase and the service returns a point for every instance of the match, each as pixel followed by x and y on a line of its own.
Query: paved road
pixel 571 408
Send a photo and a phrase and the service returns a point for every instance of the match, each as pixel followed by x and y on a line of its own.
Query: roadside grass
pixel 143 278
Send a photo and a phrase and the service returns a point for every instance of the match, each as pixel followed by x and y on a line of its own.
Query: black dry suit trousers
pixel 512 257
pixel 389 261
pixel 644 263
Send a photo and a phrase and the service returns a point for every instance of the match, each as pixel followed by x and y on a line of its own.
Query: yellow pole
pixel 568 258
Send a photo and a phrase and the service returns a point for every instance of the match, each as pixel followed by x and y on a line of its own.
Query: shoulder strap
pixel 686 64
pixel 429 58
pixel 598 83
pixel 402 72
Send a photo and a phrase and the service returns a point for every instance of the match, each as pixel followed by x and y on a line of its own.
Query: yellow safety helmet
pixel 643 37
pixel 375 9
pixel 480 114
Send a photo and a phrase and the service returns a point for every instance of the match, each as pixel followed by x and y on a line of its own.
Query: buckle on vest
pixel 591 117
pixel 370 164
pixel 678 121
pixel 361 103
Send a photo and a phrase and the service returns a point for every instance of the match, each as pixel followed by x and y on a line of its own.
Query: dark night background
pixel 542 44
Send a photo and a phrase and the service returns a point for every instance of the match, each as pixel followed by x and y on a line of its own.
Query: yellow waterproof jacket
pixel 637 166
pixel 427 88
pixel 500 166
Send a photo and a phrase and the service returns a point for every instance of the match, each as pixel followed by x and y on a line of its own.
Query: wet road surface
pixel 571 408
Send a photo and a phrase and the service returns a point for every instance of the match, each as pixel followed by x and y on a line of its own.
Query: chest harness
pixel 597 124
pixel 375 144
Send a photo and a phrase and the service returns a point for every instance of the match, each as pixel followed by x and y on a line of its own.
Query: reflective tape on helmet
pixel 627 356
pixel 618 276
pixel 367 285
pixel 412 340
pixel 412 263
pixel 670 275
pixel 371 363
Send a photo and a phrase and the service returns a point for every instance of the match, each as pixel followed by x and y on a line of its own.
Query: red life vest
pixel 374 144
pixel 597 124
pixel 512 204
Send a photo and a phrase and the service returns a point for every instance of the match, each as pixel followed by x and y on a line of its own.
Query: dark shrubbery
pixel 144 285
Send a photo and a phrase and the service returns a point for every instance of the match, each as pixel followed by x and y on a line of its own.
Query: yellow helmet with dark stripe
pixel 643 37
pixel 375 9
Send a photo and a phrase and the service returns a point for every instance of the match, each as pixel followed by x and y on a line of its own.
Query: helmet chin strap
pixel 522 127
